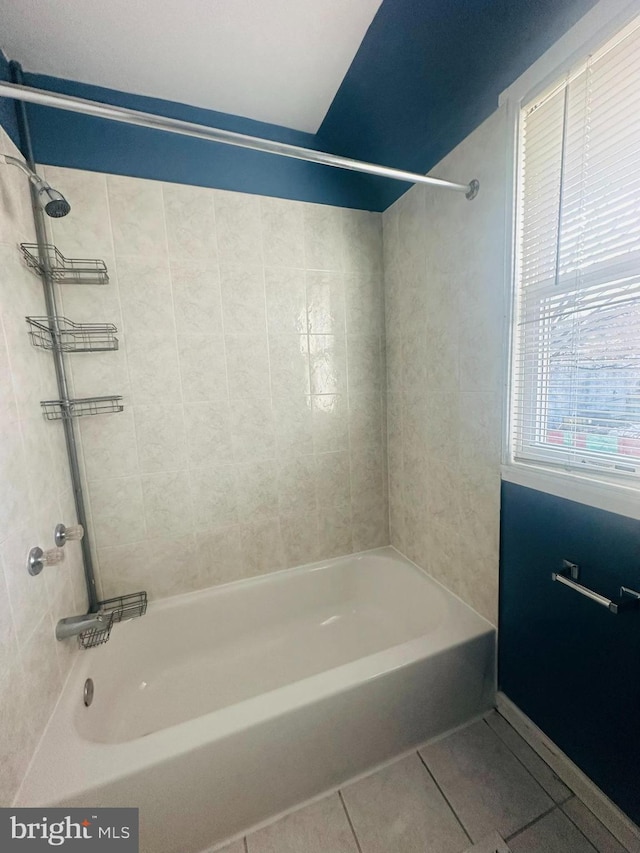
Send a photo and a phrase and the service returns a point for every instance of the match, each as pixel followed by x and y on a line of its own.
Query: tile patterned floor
pixel 471 792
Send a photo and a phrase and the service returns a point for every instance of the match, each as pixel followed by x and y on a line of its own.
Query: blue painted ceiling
pixel 426 74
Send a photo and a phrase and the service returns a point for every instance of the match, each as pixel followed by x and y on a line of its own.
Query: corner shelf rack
pixel 59 336
pixel 64 270
pixel 70 336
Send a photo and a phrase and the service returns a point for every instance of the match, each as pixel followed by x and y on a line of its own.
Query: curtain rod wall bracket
pixel 213 134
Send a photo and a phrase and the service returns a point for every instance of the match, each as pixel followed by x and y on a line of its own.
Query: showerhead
pixel 51 201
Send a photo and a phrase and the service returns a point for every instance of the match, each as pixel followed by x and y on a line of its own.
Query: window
pixel 575 397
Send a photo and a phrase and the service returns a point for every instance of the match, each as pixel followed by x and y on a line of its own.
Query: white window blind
pixel 576 359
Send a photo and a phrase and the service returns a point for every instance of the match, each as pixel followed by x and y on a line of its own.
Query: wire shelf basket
pixel 124 607
pixel 70 336
pixel 113 610
pixel 56 410
pixel 64 270
pixel 96 636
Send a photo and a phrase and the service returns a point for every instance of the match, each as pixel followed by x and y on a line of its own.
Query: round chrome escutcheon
pixel 88 692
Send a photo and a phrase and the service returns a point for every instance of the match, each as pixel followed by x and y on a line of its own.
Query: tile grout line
pixel 566 799
pixel 346 811
pixel 198 534
pixel 385 377
pixel 444 796
pixel 521 762
pixel 193 532
pixel 531 823
pixel 348 391
pixel 557 804
pixel 278 458
pixel 129 397
pixel 582 832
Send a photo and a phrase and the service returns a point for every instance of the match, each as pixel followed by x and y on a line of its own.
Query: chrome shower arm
pixel 14 161
pixel 52 202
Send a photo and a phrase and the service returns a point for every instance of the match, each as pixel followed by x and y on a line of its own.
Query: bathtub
pixel 222 708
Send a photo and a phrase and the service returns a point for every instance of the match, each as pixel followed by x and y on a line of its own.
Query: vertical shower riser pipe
pixel 48 284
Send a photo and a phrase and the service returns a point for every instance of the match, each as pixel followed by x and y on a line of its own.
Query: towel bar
pixel 629 599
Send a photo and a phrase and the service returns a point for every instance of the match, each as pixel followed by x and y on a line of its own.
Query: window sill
pixel 601 494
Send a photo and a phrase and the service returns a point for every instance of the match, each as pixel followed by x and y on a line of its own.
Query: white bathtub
pixel 221 708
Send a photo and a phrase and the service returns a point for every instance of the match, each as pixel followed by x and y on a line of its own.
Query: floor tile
pixel 399 809
pixel 322 827
pixel 483 781
pixel 597 833
pixel 553 833
pixel 538 768
pixel 492 843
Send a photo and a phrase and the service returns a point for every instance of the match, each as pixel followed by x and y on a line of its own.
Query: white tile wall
pixel 444 279
pixel 251 365
pixel 34 496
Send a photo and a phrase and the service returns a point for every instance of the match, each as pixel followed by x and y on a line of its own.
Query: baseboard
pixel 616 821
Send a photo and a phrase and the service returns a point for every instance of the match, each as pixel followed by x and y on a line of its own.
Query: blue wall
pixel 426 74
pixel 70 139
pixel 571 665
pixel 430 71
pixel 7 110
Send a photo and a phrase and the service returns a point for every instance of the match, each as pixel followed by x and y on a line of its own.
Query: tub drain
pixel 88 692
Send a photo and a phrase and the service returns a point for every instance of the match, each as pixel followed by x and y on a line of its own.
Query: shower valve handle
pixel 38 559
pixel 73 533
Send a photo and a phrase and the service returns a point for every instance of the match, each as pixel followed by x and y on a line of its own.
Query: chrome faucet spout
pixel 71 626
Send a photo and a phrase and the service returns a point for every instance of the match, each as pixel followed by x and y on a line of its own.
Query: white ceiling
pixel 278 61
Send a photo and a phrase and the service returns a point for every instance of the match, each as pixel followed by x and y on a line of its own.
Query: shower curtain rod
pixel 200 131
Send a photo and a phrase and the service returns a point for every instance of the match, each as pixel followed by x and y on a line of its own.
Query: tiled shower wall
pixel 34 496
pixel 251 363
pixel 444 275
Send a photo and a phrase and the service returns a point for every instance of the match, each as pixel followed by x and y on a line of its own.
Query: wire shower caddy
pixel 59 334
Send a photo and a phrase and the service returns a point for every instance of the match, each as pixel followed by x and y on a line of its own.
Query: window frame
pixel 600 24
